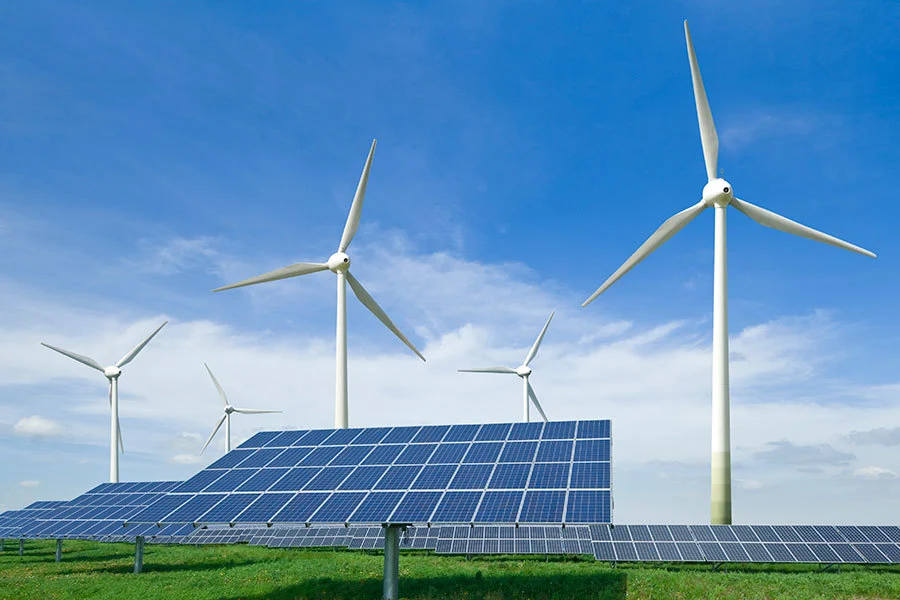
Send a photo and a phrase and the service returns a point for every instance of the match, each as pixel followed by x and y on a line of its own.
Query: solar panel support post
pixel 138 554
pixel 2 545
pixel 392 561
pixel 59 550
pixel 21 547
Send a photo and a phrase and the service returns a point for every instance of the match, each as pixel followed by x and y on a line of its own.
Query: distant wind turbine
pixel 339 264
pixel 226 418
pixel 719 194
pixel 523 371
pixel 112 374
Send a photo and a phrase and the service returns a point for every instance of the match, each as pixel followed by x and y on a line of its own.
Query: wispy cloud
pixel 874 473
pixel 38 426
pixel 787 453
pixel 29 483
pixel 747 130
pixel 881 436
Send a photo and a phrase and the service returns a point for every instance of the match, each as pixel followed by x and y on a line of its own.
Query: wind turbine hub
pixel 339 262
pixel 229 409
pixel 523 371
pixel 718 192
pixel 112 372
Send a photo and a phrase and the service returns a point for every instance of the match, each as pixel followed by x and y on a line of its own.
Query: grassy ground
pixel 103 571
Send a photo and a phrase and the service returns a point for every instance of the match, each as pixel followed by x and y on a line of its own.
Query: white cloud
pixel 750 128
pixel 748 484
pixel 30 483
pixel 38 426
pixel 188 459
pixel 874 473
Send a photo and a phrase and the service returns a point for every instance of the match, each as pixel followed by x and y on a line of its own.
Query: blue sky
pixel 158 150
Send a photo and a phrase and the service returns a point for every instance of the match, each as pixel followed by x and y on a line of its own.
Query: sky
pixel 155 151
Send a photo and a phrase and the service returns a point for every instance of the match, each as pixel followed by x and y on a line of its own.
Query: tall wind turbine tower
pixel 717 194
pixel 524 372
pixel 112 373
pixel 226 417
pixel 339 264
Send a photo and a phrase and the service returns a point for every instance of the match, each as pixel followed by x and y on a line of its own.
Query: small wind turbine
pixel 719 194
pixel 226 418
pixel 339 264
pixel 112 374
pixel 523 371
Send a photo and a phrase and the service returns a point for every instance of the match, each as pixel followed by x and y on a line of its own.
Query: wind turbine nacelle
pixel 718 192
pixel 523 371
pixel 111 372
pixel 339 262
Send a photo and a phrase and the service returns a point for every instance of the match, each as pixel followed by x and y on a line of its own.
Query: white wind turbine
pixel 339 264
pixel 717 193
pixel 112 374
pixel 226 418
pixel 523 371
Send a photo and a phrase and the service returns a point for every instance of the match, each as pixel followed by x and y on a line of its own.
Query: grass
pixel 104 571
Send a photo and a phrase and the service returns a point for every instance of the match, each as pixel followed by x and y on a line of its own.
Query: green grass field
pixel 94 570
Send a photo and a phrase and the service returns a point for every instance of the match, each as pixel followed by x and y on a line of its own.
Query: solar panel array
pixel 100 512
pixel 747 543
pixel 556 472
pixel 514 540
pixel 12 522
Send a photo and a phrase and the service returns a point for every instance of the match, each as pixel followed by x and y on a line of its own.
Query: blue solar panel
pixel 373 435
pixel 363 478
pixel 434 477
pixel 510 476
pixel 589 476
pixel 196 507
pixel 471 477
pixel 259 439
pixel 432 433
pixel 383 455
pixel 449 454
pixel 543 507
pixel 231 480
pixel 559 430
pixel 398 477
pixel 338 507
pixel 341 437
pixel 377 506
pixel 301 507
pixel 415 454
pixel 295 479
pixel 593 429
pixel 264 508
pixel 352 455
pixel 231 459
pixel 592 450
pixel 461 433
pixel 499 507
pixel 588 506
pixel 554 451
pixel 226 510
pixel 526 431
pixel 328 478
pixel 457 507
pixel 321 456
pixel 514 452
pixel 286 438
pixel 263 480
pixel 416 507
pixel 491 433
pixel 549 475
pixel 401 435
pixel 483 452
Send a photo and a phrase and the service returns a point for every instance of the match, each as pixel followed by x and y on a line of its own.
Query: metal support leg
pixel 139 554
pixel 2 545
pixel 391 562
pixel 21 547
pixel 59 550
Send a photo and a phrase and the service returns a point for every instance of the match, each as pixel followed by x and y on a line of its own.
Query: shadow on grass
pixel 601 586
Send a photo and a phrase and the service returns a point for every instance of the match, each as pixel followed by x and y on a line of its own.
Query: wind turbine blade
pixel 134 352
pixel 254 411
pixel 537 342
pixel 356 208
pixel 215 431
pixel 775 221
pixel 376 310
pixel 672 225
pixel 488 370
pixel 218 387
pixel 537 404
pixel 119 430
pixel 82 359
pixel 708 136
pixel 294 270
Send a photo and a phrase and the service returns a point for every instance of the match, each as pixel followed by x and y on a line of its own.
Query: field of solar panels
pixel 104 570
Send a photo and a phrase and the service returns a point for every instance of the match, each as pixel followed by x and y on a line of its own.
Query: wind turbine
pixel 339 264
pixel 226 418
pixel 112 374
pixel 718 194
pixel 523 371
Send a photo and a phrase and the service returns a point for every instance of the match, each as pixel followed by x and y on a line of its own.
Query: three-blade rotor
pixel 339 266
pixel 228 410
pixel 717 193
pixel 523 370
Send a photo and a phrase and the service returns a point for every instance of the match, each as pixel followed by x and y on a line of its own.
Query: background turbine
pixel 112 374
pixel 523 371
pixel 339 264
pixel 719 194
pixel 226 417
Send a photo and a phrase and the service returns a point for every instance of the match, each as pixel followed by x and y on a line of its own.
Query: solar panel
pixel 558 472
pixel 745 543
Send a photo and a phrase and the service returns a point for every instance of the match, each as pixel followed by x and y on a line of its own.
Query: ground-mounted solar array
pixel 101 513
pixel 12 522
pixel 827 544
pixel 508 473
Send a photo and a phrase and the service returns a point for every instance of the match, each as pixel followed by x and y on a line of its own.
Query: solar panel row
pixel 747 543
